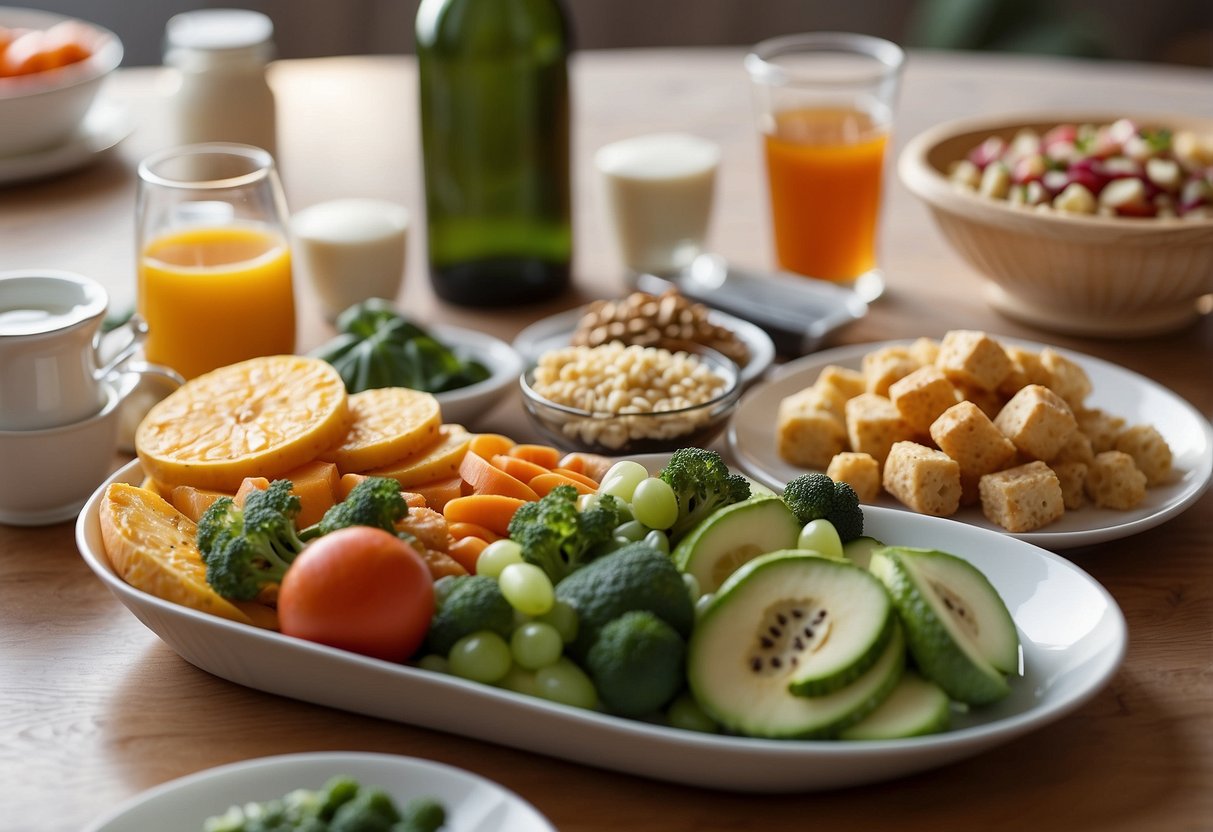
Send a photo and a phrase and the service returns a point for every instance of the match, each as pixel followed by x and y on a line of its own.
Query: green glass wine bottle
pixel 495 148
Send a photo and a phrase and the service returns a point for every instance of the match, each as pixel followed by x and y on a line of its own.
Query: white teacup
pixel 50 374
pixel 47 475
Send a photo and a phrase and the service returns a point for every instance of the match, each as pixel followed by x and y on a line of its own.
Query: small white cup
pixel 47 475
pixel 351 250
pixel 658 191
pixel 50 373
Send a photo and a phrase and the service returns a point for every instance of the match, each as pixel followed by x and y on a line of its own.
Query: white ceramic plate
pixel 468 404
pixel 473 804
pixel 751 440
pixel 103 128
pixel 1073 638
pixel 554 332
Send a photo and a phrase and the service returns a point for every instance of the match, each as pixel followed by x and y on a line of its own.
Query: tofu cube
pixel 1037 421
pixel 860 471
pixel 1151 453
pixel 1068 379
pixel 923 478
pixel 989 401
pixel 1114 481
pixel 819 397
pixel 1100 427
pixel 884 366
pixel 808 435
pixel 967 435
pixel 922 395
pixel 1023 498
pixel 924 350
pixel 873 424
pixel 1077 449
pixel 1026 368
pixel 850 383
pixel 974 358
pixel 1073 478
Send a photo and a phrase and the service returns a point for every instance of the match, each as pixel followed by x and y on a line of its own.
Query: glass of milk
pixel 658 191
pixel 351 250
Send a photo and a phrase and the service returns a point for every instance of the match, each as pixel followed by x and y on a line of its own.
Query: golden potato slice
pixel 438 462
pixel 261 417
pixel 390 423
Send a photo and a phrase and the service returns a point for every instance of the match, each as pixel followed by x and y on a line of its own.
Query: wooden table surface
pixel 95 708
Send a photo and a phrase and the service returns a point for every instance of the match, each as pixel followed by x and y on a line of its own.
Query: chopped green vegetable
pixel 702 482
pixel 558 538
pixel 814 496
pixel 378 347
pixel 374 501
pixel 245 549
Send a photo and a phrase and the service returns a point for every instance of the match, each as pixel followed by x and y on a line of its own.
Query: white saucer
pixel 104 127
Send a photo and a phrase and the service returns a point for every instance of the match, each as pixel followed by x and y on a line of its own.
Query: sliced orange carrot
pixel 250 484
pixel 438 493
pixel 317 485
pixel 581 478
pixel 490 444
pixel 593 466
pixel 518 467
pixel 544 483
pixel 464 529
pixel 485 478
pixel 493 511
pixel 193 502
pixel 466 550
pixel 544 455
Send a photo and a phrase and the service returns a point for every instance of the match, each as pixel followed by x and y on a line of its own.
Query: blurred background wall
pixel 1173 31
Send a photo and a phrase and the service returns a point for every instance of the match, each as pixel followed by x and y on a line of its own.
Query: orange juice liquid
pixel 824 173
pixel 215 296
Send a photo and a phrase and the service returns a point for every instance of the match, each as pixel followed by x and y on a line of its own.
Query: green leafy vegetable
pixel 378 347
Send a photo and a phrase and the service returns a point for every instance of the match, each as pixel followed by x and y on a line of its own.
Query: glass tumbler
pixel 825 104
pixel 214 281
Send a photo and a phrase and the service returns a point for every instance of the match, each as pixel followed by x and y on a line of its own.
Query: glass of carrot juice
pixel 825 105
pixel 214 282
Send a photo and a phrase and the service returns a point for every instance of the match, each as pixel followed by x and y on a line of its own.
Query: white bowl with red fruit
pixel 1097 225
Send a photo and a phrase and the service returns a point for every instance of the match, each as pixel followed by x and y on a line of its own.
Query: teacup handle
pixel 137 329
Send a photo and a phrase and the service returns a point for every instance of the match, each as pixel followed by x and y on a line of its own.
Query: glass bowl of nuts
pixel 616 399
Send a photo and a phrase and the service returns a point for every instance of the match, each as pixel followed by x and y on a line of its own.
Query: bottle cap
pixel 227 31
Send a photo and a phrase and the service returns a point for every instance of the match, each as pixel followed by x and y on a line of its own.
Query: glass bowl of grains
pixel 617 400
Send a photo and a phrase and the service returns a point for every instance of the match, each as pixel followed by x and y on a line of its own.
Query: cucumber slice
pixel 914 708
pixel 734 535
pixel 753 667
pixel 959 630
pixel 859 551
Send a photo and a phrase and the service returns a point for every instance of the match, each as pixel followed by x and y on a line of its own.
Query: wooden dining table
pixel 94 708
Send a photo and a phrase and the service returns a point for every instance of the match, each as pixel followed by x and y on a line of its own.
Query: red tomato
pixel 360 589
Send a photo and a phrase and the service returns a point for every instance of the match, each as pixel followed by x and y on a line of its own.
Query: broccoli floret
pixel 558 538
pixel 467 604
pixel 246 548
pixel 371 810
pixel 809 496
pixel 422 814
pixel 702 483
pixel 815 496
pixel 375 501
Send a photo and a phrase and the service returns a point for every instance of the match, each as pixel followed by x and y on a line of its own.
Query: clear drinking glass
pixel 214 283
pixel 825 106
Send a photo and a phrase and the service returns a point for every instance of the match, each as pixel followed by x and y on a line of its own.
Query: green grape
pixel 621 479
pixel 564 618
pixel 659 540
pixel 654 503
pixel 497 556
pixel 566 683
pixel 822 538
pixel 536 644
pixel 520 680
pixel 631 531
pixel 684 712
pixel 434 663
pixel 527 587
pixel 482 656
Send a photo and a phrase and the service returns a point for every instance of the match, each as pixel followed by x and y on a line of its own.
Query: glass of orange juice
pixel 825 105
pixel 214 283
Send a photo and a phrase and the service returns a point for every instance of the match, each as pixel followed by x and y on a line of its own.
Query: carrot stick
pixel 518 467
pixel 581 478
pixel 593 466
pixel 438 493
pixel 466 550
pixel 544 455
pixel 464 529
pixel 485 478
pixel 489 444
pixel 493 511
pixel 544 483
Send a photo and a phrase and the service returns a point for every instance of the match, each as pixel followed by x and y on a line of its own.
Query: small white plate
pixel 751 441
pixel 467 405
pixel 1072 632
pixel 473 804
pixel 104 127
pixel 554 332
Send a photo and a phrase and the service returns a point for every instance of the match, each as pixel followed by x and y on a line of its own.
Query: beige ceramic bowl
pixel 45 109
pixel 1080 275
